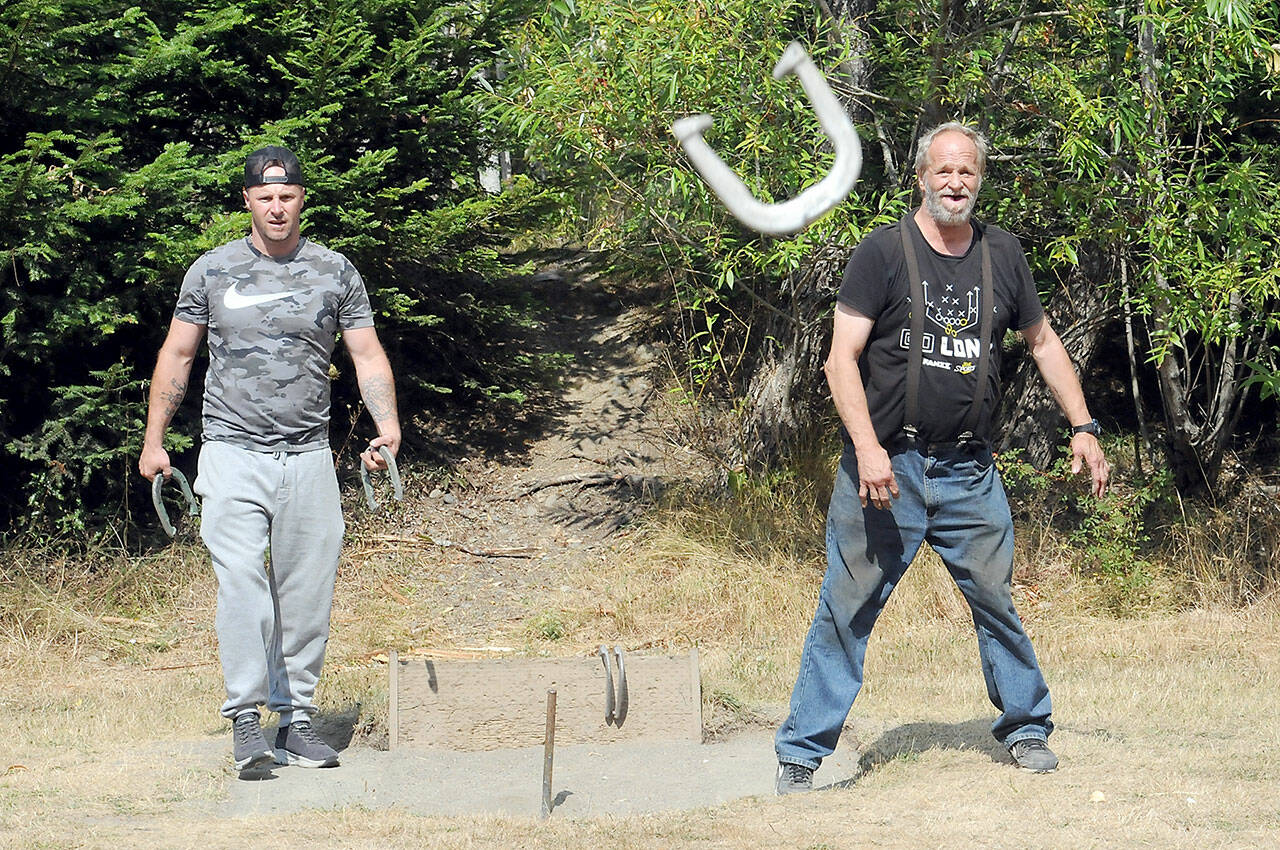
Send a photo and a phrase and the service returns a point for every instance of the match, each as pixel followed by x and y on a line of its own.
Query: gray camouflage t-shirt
pixel 272 324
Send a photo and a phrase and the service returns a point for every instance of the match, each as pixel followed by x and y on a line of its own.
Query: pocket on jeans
pixel 979 464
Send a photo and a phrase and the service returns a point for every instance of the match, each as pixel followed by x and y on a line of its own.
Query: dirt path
pixel 532 497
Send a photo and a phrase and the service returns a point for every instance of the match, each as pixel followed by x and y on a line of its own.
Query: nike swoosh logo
pixel 234 300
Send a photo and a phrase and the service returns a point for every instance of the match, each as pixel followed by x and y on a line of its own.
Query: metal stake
pixel 548 752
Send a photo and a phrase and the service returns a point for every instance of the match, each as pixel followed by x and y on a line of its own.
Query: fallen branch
pixel 126 621
pixel 392 544
pixel 514 552
pixel 393 593
pixel 517 552
pixel 583 479
pixel 179 666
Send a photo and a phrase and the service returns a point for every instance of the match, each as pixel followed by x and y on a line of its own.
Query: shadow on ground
pixel 911 739
pixel 337 728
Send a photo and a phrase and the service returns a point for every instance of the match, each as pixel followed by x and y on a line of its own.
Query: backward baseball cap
pixel 257 163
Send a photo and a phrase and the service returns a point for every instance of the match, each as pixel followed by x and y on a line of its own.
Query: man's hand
pixel 168 388
pixel 154 461
pixel 876 483
pixel 372 459
pixel 1085 449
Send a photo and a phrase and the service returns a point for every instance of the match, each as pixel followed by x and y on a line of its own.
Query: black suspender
pixel 915 353
pixel 986 310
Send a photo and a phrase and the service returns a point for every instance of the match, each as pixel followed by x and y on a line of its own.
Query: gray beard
pixel 940 214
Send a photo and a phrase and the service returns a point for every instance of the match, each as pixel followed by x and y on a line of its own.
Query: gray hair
pixel 926 142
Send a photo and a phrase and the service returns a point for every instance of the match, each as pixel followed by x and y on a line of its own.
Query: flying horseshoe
pixel 811 204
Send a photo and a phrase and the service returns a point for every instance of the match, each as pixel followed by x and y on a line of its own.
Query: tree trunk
pixel 787 393
pixel 1029 417
pixel 1199 433
pixel 1198 430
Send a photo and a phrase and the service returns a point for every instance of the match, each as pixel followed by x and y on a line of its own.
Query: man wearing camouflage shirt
pixel 272 305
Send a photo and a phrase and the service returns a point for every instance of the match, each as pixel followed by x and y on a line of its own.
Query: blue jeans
pixel 952 499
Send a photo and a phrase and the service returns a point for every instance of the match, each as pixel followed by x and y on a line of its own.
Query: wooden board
pixel 501 703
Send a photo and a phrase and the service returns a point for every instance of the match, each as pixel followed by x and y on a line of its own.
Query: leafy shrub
pixel 1113 541
pixel 119 165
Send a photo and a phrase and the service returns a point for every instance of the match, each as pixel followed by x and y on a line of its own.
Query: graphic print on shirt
pixel 233 299
pixel 951 340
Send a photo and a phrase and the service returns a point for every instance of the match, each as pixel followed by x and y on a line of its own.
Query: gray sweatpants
pixel 272 621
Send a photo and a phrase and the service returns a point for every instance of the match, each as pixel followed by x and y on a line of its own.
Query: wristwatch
pixel 1090 427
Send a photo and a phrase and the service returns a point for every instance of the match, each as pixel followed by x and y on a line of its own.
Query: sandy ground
pixel 630 778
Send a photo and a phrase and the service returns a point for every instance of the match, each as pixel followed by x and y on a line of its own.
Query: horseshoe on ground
pixel 797 213
pixel 622 703
pixel 608 686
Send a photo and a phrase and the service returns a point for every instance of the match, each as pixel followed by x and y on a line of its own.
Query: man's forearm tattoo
pixel 173 397
pixel 379 396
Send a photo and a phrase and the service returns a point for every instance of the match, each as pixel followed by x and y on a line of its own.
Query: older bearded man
pixel 914 371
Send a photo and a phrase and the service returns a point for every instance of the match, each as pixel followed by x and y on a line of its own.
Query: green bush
pixel 599 84
pixel 125 129
pixel 1115 541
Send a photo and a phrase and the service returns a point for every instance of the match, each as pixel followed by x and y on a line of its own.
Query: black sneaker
pixel 248 746
pixel 793 779
pixel 299 744
pixel 1034 755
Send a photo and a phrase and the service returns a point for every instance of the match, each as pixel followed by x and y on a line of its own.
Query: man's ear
pixel 244 193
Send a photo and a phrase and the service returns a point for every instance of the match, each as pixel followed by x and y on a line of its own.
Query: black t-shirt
pixel 876 285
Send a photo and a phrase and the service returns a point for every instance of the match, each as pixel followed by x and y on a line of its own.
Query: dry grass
pixel 108 693
pixel 736 578
pixel 1160 733
pixel 1231 553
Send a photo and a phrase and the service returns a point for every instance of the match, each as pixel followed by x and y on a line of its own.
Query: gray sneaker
pixel 299 744
pixel 793 779
pixel 1034 755
pixel 248 746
